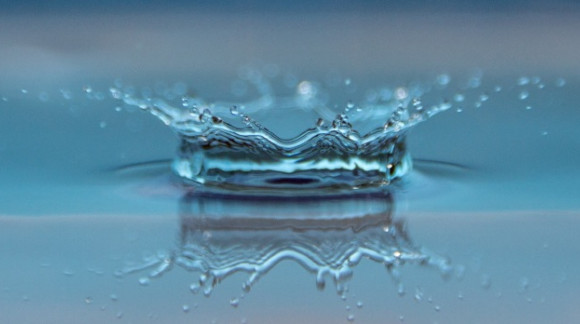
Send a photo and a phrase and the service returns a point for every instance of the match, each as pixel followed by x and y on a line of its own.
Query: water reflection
pixel 328 236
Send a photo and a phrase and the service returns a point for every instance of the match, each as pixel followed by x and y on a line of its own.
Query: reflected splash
pixel 220 236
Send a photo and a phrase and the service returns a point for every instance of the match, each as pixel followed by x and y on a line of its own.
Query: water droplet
pixel 359 304
pixel 401 318
pixel 320 122
pixel 418 294
pixel 103 124
pixel 459 97
pixel 459 109
pixel 235 302
pixel 347 81
pixel 194 288
pixel 401 93
pixel 524 95
pixel 144 281
pixel 401 290
pixel 349 105
pixel 485 281
pixel 460 296
pixel 497 88
pixel 350 318
pixel 68 273
pixel 24 91
pixel 87 89
pixel 483 97
pixel 119 315
pixel 437 308
pixel 116 93
pixel 544 133
pixel 347 307
pixel 185 308
pixel 523 81
pixel 560 82
pixel 114 297
pixel 524 284
pixel 306 89
pixel 234 110
pixel 443 79
pixel 118 108
pixel 88 300
pixel 528 107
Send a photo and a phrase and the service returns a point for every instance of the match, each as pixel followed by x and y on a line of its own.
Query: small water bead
pixel 497 88
pixel 443 79
pixel 485 281
pixel 194 288
pixel 118 108
pixel 522 81
pixel 401 290
pixel 459 109
pixel 320 122
pixel 437 308
pixel 24 91
pixel 560 82
pixel 144 281
pixel 544 133
pixel 418 294
pixel 401 93
pixel 459 97
pixel 483 97
pixel 350 318
pixel 524 95
pixel 235 302
pixel 185 308
pixel 114 297
pixel 88 300
pixel 119 315
pixel 103 124
pixel 347 82
pixel 234 110
pixel 528 107
pixel 359 304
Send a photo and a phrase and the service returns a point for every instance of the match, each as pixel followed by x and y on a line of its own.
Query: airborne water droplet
pixel 144 281
pixel 443 79
pixel 234 110
pixel 235 302
pixel 524 95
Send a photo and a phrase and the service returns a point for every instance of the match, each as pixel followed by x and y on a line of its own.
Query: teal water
pixel 94 229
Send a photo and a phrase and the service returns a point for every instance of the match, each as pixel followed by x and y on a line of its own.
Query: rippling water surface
pixel 97 226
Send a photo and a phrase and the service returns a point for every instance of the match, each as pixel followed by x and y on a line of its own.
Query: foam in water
pixel 306 137
pixel 328 236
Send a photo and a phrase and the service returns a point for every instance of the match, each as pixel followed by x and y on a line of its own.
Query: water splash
pixel 291 135
pixel 223 235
